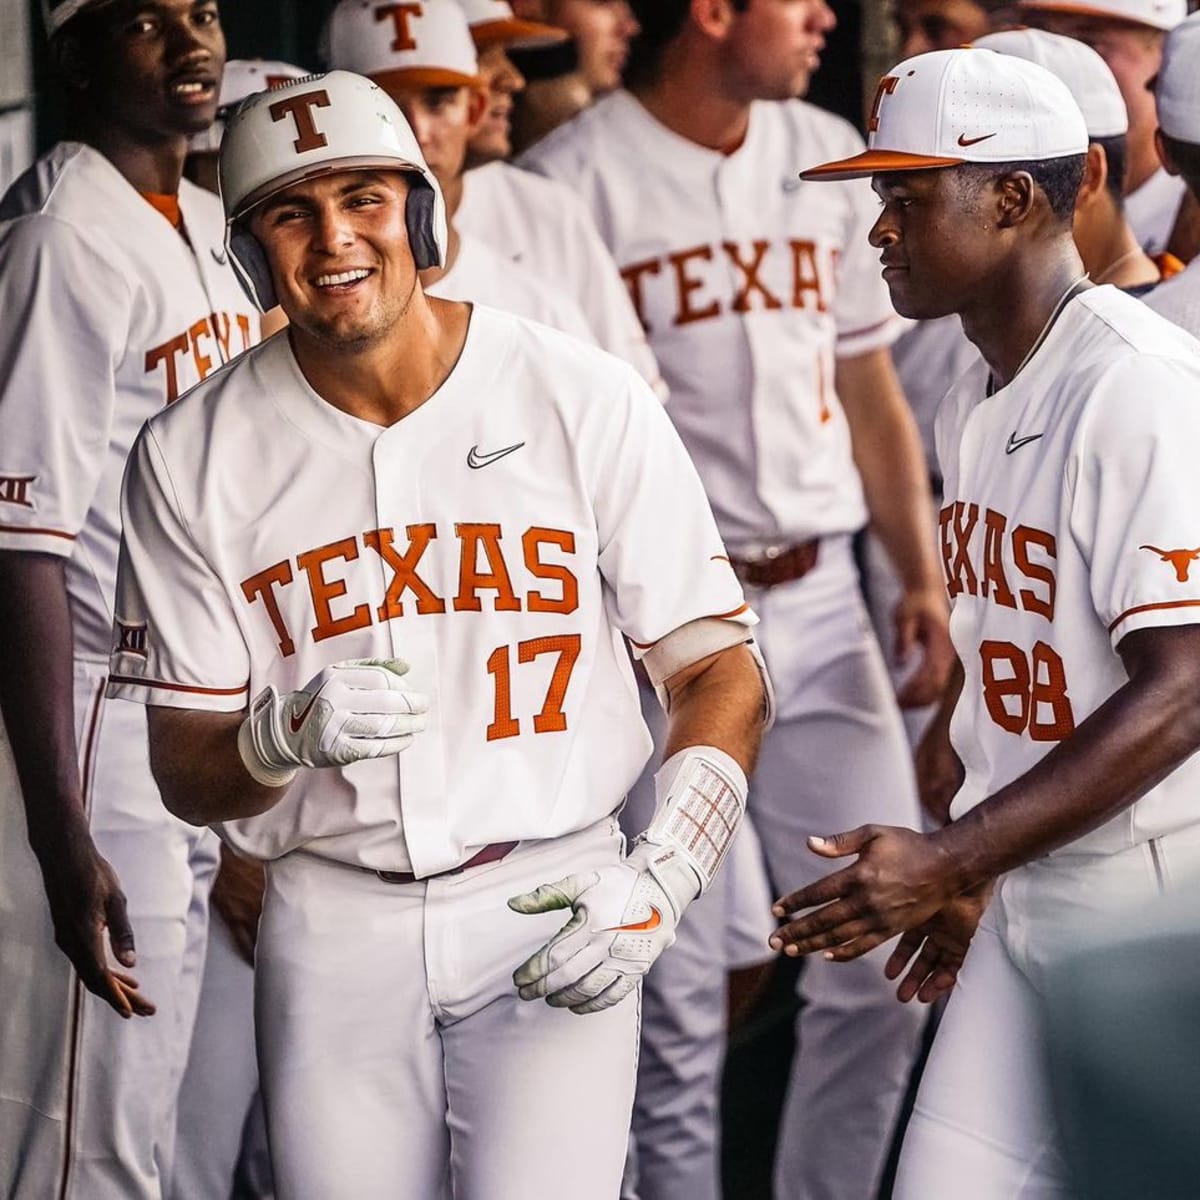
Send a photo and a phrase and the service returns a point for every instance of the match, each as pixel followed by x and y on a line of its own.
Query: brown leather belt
pixel 786 564
pixel 489 854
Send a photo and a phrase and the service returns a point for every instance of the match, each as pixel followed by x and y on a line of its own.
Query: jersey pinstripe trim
pixel 33 531
pixel 854 333
pixel 725 616
pixel 1141 608
pixel 136 681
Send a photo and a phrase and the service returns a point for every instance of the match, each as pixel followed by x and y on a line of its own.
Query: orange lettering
pixel 552 719
pixel 220 327
pixel 962 574
pixel 243 324
pixel 568 601
pixel 300 109
pixel 806 275
pixel 887 85
pixel 165 354
pixel 1023 537
pixel 404 570
pixel 399 14
pixel 750 277
pixel 686 285
pixel 262 587
pixel 471 579
pixel 632 275
pixel 203 362
pixel 325 591
pixel 993 560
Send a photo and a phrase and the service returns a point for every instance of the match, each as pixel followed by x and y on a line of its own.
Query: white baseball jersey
pixel 544 226
pixel 746 323
pixel 1151 210
pixel 1178 299
pixel 500 539
pixel 1071 518
pixel 480 275
pixel 109 321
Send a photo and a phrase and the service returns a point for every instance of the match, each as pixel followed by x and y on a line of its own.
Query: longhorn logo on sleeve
pixel 1181 560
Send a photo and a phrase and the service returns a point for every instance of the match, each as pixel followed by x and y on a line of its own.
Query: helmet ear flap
pixel 251 267
pixel 421 216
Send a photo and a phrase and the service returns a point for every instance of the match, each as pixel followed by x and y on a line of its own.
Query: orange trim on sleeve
pixel 33 530
pixel 733 612
pixel 720 558
pixel 1129 612
pixel 853 333
pixel 178 687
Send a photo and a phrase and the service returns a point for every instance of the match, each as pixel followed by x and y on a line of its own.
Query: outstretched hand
pixel 899 881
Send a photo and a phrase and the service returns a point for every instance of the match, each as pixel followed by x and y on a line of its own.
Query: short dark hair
pixel 662 21
pixel 1115 153
pixel 1186 157
pixel 1059 178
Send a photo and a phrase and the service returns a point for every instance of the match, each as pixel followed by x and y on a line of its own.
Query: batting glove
pixel 622 918
pixel 349 711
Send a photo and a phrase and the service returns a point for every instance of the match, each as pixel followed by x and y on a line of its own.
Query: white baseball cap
pixel 493 21
pixel 1157 14
pixel 242 78
pixel 950 107
pixel 1177 89
pixel 426 44
pixel 1084 72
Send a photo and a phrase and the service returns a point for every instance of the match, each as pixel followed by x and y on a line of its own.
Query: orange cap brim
pixel 873 162
pixel 424 77
pixel 1083 10
pixel 511 31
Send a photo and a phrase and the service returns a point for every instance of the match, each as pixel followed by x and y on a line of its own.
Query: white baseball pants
pixel 985 1124
pixel 87 1100
pixel 397 1059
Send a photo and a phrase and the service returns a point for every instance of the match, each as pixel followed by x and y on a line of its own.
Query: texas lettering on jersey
pixel 807 269
pixel 483 556
pixel 200 340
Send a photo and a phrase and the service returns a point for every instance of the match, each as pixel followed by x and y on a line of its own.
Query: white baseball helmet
pixel 314 126
pixel 242 77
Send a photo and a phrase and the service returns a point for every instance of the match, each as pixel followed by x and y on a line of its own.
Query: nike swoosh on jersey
pixel 475 460
pixel 653 921
pixel 298 719
pixel 964 141
pixel 1015 443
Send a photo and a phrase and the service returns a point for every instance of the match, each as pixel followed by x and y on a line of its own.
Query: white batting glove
pixel 349 711
pixel 623 918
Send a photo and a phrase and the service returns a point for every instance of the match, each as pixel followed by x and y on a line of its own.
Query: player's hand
pixel 934 952
pixel 348 711
pixel 922 618
pixel 939 772
pixel 237 897
pixel 622 919
pixel 86 900
pixel 900 880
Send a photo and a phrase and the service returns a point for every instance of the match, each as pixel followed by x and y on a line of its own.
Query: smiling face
pixel 339 255
pixel 150 67
pixel 935 239
pixel 775 46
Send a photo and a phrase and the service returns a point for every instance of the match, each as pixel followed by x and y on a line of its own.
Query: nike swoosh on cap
pixel 653 921
pixel 965 141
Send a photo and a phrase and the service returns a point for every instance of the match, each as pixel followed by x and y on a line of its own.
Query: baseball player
pixel 539 223
pixel 772 330
pixel 924 25
pixel 1178 96
pixel 1129 36
pixel 452 520
pixel 1066 543
pixel 117 297
pixel 431 72
pixel 601 29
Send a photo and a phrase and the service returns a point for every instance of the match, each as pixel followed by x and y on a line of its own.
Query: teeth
pixel 189 88
pixel 341 277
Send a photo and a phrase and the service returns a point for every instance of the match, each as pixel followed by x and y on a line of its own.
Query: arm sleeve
pixel 176 639
pixel 1135 508
pixel 66 319
pixel 660 552
pixel 862 308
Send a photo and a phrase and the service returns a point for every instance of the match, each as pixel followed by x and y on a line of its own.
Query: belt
pixel 489 854
pixel 780 564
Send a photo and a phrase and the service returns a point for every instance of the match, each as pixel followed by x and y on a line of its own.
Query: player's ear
pixel 1015 194
pixel 1164 154
pixel 476 109
pixel 70 61
pixel 713 17
pixel 1095 176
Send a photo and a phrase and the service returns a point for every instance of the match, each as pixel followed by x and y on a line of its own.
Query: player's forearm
pixel 719 702
pixel 37 697
pixel 888 454
pixel 199 771
pixel 1135 739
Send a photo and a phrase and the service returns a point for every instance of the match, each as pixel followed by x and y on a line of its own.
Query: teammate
pixel 498 504
pixel 1129 36
pixel 942 24
pixel 117 297
pixel 783 392
pixel 538 223
pixel 1066 546
pixel 431 73
pixel 1107 245
pixel 602 31
pixel 1178 96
